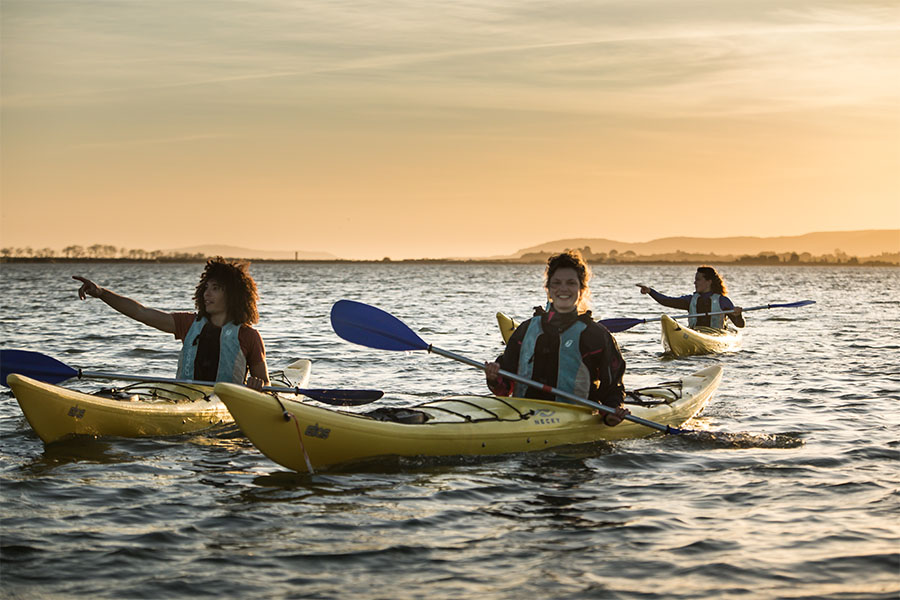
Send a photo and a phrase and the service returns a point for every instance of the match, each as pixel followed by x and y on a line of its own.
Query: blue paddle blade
pixel 621 324
pixel 793 304
pixel 35 365
pixel 369 326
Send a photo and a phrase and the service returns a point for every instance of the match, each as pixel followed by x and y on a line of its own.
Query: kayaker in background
pixel 219 343
pixel 563 346
pixel 710 295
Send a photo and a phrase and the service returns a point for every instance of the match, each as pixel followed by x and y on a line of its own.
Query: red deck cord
pixel 300 437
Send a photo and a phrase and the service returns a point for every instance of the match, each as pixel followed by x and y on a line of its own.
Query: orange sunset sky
pixel 436 129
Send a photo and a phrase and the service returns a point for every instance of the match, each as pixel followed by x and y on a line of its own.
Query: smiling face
pixel 564 289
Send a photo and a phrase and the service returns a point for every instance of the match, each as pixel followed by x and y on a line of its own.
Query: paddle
pixel 617 325
pixel 369 326
pixel 47 369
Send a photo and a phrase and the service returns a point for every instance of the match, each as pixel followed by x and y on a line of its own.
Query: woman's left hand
pixel 255 383
pixel 492 371
pixel 611 420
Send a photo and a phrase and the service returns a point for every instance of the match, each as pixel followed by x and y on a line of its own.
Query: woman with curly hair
pixel 710 295
pixel 563 346
pixel 219 342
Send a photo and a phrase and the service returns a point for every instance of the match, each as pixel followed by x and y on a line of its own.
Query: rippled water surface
pixel 663 517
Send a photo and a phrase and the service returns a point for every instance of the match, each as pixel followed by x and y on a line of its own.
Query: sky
pixel 414 129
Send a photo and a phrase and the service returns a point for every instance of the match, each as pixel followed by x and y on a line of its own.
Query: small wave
pixel 740 440
pixel 875 453
pixel 10 552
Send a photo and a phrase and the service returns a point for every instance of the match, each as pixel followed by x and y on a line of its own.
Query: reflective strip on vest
pixel 232 362
pixel 715 321
pixel 570 365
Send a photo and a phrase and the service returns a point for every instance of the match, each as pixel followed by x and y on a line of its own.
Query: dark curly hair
pixel 710 274
pixel 571 259
pixel 240 289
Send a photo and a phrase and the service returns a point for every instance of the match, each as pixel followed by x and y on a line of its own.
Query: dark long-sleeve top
pixel 599 353
pixel 704 302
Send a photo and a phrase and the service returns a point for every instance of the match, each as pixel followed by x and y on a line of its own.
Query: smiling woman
pixel 562 346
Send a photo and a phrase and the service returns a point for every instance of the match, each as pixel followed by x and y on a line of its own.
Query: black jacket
pixel 599 353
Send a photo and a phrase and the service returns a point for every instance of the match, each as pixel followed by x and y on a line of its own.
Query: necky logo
pixel 545 417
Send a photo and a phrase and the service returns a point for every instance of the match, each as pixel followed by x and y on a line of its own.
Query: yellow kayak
pixel 507 326
pixel 680 340
pixel 137 410
pixel 301 436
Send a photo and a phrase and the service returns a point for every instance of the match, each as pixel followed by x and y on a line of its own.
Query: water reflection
pixel 77 449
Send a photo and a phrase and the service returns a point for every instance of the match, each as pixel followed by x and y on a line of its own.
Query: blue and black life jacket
pixel 232 365
pixel 715 321
pixel 572 374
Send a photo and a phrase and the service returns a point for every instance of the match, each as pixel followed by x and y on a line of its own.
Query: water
pixel 664 517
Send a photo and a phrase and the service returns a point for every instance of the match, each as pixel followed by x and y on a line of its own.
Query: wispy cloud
pixel 683 56
pixel 179 139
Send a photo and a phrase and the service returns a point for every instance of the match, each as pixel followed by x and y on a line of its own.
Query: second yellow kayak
pixel 680 340
pixel 507 326
pixel 301 436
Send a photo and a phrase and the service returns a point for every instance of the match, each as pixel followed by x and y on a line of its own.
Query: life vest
pixel 715 321
pixel 571 376
pixel 232 362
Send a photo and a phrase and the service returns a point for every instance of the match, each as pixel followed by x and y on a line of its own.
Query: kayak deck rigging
pixel 280 377
pixel 173 393
pixel 458 410
pixel 440 405
pixel 468 410
pixel 664 393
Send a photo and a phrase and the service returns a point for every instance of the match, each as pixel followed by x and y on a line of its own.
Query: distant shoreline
pixel 877 247
pixel 743 261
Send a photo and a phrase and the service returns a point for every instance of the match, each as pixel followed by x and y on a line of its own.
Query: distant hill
pixel 854 243
pixel 249 254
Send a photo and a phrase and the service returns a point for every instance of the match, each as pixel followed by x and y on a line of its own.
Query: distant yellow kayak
pixel 680 340
pixel 136 410
pixel 292 433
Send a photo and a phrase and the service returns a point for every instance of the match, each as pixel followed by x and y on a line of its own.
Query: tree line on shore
pixel 838 257
pixel 97 251
pixel 108 252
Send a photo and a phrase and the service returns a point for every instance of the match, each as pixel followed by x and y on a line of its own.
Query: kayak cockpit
pixel 469 409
